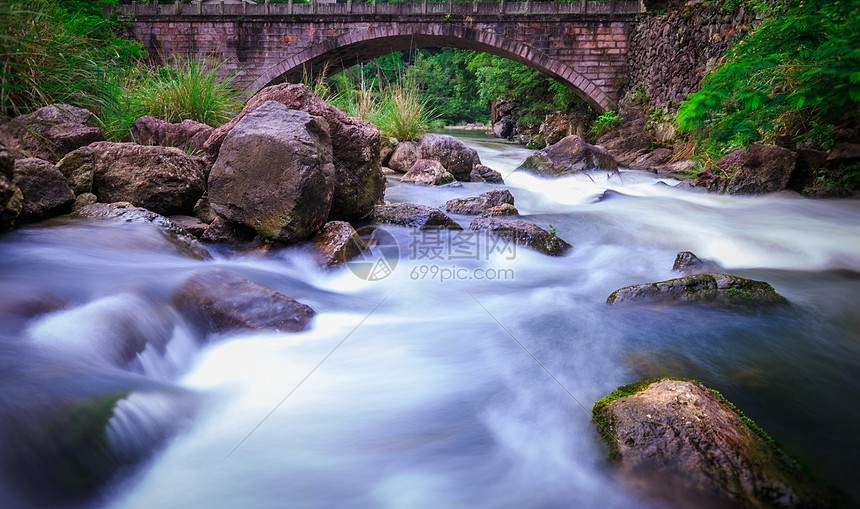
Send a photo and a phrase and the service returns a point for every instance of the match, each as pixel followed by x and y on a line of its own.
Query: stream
pixel 411 391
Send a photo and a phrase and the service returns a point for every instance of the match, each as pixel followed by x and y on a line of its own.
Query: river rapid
pixel 412 391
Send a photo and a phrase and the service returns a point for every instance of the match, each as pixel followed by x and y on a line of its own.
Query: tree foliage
pixel 796 75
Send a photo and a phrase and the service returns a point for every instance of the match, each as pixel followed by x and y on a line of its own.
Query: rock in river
pixel 220 301
pixel 570 155
pixel 338 243
pixel 427 172
pixel 359 182
pixel 481 203
pixel 274 173
pixel 415 216
pixel 523 234
pixel 681 443
pixel 710 288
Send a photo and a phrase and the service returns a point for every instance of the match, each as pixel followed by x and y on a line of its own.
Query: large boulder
pixel 757 169
pixel 124 212
pixel 479 204
pixel 164 180
pixel 44 189
pixel 359 182
pixel 458 158
pixel 427 172
pixel 481 173
pixel 220 301
pixel 404 156
pixel 188 135
pixel 522 234
pixel 414 216
pixel 274 173
pixel 337 243
pixel 682 444
pixel 711 288
pixel 570 155
pixel 51 132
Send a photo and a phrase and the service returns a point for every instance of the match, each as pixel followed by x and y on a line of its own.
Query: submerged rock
pixel 274 173
pixel 523 234
pixel 681 443
pixel 427 172
pixel 569 156
pixel 415 216
pixel 710 288
pixel 481 203
pixel 338 243
pixel 125 212
pixel 220 301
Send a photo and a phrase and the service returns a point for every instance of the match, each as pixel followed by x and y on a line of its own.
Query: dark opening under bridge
pixel 581 43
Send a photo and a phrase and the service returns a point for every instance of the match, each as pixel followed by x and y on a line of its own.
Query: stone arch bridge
pixel 581 43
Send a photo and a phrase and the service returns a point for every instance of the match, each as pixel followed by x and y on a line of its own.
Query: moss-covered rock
pixel 677 441
pixel 712 288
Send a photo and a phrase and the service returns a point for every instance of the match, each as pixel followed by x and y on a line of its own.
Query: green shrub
pixel 797 74
pixel 605 123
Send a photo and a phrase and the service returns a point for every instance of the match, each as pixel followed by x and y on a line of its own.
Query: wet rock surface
pixel 274 173
pixel 359 182
pixel 414 216
pixel 711 288
pixel 680 443
pixel 480 204
pixel 523 234
pixel 337 243
pixel 124 212
pixel 569 156
pixel 164 180
pixel 220 301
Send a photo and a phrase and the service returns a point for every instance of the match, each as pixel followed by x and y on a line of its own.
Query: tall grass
pixel 404 113
pixel 399 109
pixel 49 55
pixel 188 88
pixel 46 57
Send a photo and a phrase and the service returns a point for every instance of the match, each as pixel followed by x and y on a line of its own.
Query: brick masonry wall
pixel 589 51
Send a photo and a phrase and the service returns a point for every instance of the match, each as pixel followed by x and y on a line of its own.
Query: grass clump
pixel 68 51
pixel 187 88
pixel 51 54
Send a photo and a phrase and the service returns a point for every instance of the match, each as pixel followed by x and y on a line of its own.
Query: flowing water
pixel 412 391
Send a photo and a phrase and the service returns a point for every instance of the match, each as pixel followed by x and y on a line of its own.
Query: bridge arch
pixel 369 43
